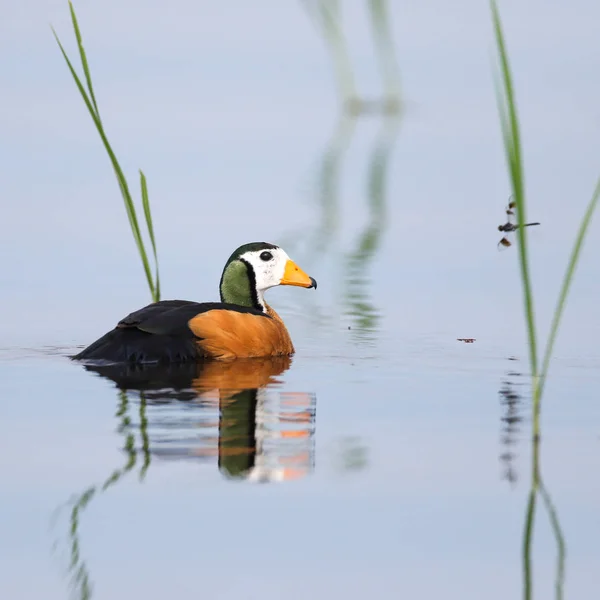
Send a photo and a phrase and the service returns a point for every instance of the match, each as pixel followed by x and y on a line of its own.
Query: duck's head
pixel 254 268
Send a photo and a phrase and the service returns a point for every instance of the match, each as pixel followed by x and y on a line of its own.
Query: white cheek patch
pixel 279 263
pixel 268 273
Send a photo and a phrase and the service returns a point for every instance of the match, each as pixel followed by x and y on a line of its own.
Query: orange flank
pixel 226 335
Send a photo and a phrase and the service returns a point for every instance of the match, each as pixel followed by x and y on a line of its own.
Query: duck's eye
pixel 266 256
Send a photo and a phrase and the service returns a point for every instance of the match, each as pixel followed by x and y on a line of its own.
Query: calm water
pixel 394 460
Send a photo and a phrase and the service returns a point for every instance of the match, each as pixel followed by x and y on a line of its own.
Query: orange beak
pixel 294 275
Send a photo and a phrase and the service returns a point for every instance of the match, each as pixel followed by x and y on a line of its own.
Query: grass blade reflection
pixel 384 42
pixel 326 15
pixel 560 539
pixel 358 304
pixel 81 579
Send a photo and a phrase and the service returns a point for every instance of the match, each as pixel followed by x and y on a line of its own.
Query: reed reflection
pixel 231 414
pixel 326 16
pixel 512 404
pixel 359 306
pixel 355 287
pixel 78 569
pixel 539 488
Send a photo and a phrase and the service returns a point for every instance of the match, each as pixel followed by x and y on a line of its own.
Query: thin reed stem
pixel 512 146
pixel 567 280
pixel 89 97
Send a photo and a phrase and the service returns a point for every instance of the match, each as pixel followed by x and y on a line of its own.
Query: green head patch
pixel 238 281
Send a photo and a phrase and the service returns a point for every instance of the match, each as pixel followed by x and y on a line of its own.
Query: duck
pixel 241 325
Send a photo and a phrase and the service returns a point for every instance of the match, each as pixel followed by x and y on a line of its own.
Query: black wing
pixel 158 332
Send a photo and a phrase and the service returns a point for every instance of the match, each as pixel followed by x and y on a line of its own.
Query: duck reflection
pixel 229 410
pixel 233 412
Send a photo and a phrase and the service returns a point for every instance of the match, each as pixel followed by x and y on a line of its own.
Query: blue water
pixel 385 459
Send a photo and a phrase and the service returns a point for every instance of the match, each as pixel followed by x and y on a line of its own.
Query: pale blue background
pixel 228 107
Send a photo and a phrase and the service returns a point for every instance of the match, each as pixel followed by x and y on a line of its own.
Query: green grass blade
pixel 83 57
pixel 504 126
pixel 148 215
pixel 93 110
pixel 84 94
pixel 510 125
pixel 568 278
pixel 120 177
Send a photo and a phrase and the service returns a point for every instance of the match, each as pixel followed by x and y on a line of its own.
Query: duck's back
pixel 181 330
